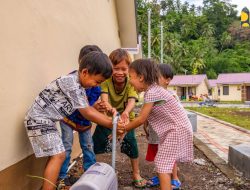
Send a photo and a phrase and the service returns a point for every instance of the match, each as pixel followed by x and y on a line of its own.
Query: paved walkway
pixel 218 136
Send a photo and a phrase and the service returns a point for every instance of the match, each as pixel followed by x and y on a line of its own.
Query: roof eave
pixel 127 22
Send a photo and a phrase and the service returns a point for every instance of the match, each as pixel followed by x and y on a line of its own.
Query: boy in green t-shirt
pixel 118 93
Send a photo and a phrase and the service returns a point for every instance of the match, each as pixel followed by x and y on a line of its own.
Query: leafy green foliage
pixel 196 39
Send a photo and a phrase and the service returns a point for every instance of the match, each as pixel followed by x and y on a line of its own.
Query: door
pixel 248 92
pixel 183 93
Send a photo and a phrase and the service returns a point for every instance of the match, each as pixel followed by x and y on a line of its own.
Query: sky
pixel 240 3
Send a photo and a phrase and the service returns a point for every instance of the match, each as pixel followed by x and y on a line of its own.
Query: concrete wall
pixel 40 40
pixel 196 90
pixel 176 90
pixel 234 93
pixel 214 91
pixel 202 88
pixel 172 88
pixel 126 14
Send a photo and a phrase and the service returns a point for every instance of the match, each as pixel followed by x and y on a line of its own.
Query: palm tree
pixel 225 41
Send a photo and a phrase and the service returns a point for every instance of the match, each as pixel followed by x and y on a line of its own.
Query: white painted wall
pixel 202 89
pixel 214 95
pixel 40 40
pixel 234 93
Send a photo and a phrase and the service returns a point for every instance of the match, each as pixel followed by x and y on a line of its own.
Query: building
pixel 233 87
pixel 213 91
pixel 41 40
pixel 187 86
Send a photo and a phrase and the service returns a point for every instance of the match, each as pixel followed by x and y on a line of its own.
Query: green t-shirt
pixel 119 100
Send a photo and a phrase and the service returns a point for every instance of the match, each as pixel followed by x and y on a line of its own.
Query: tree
pixel 220 14
pixel 196 39
pixel 225 41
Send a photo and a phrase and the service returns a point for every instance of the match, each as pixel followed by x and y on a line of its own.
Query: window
pixel 225 90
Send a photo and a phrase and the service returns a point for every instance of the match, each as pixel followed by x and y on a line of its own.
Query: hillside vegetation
pixel 196 40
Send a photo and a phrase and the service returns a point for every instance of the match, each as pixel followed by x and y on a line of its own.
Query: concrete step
pixel 239 158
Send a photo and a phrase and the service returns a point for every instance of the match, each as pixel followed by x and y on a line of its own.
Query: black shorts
pixel 102 144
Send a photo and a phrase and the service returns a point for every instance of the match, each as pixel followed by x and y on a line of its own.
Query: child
pixel 58 100
pixel 167 118
pixel 78 123
pixel 118 93
pixel 166 75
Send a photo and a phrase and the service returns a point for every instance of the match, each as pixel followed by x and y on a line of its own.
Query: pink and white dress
pixel 169 120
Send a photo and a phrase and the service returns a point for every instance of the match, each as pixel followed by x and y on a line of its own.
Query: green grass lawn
pixel 236 116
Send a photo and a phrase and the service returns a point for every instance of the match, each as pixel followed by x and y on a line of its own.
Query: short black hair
pixel 166 70
pixel 96 63
pixel 148 68
pixel 87 49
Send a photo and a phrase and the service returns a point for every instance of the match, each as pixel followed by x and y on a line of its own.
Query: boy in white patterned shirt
pixel 58 100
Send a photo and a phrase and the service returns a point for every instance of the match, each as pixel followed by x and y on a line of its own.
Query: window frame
pixel 224 92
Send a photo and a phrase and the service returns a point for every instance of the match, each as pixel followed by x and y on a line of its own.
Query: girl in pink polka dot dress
pixel 167 118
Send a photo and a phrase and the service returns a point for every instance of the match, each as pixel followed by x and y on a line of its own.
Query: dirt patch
pixel 241 113
pixel 196 176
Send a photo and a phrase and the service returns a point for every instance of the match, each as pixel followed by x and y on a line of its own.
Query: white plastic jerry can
pixel 99 176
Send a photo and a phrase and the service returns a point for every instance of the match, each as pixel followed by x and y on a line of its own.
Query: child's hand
pixel 108 108
pixel 112 111
pixel 100 106
pixel 125 117
pixel 103 106
pixel 121 127
pixel 123 122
